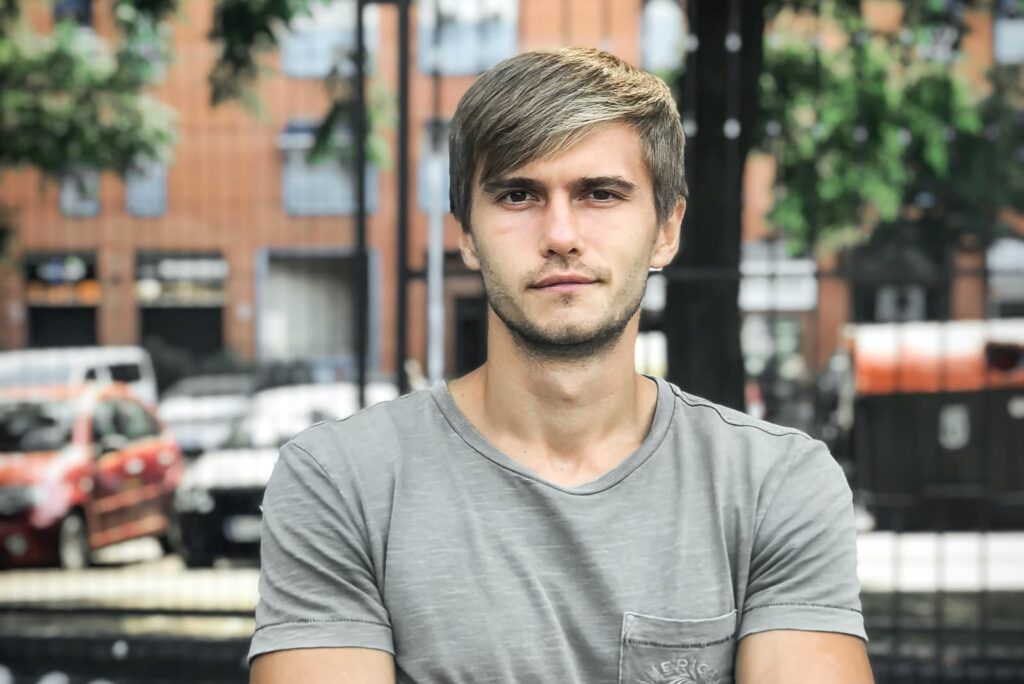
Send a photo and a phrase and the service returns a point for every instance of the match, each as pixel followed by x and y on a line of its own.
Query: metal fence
pixel 929 431
pixel 926 419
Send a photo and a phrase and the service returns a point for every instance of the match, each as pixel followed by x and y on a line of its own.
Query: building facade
pixel 241 247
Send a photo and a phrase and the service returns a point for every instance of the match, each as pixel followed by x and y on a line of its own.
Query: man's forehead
pixel 609 151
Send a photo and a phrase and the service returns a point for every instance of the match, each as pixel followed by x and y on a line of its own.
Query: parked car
pixel 217 504
pixel 76 365
pixel 201 410
pixel 81 468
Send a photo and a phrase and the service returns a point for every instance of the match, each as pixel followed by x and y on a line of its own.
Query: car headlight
pixel 20 498
pixel 191 499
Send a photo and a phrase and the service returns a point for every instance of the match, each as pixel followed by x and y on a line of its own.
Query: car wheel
pixel 195 558
pixel 176 541
pixel 73 550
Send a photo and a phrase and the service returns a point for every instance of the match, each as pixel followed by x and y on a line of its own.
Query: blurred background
pixel 224 220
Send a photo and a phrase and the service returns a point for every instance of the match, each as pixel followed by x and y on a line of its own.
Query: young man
pixel 553 516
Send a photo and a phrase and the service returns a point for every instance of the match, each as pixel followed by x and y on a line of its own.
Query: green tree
pixel 876 139
pixel 881 138
pixel 69 100
pixel 247 31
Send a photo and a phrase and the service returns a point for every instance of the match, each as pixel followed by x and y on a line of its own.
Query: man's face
pixel 565 244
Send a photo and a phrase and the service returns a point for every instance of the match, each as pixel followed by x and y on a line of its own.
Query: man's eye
pixel 516 196
pixel 602 195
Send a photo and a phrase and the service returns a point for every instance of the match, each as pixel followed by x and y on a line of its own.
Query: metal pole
pixel 435 236
pixel 435 271
pixel 361 270
pixel 402 308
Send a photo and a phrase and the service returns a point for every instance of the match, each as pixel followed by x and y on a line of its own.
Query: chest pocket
pixel 657 650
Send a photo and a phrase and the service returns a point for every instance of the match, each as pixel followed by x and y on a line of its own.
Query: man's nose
pixel 560 233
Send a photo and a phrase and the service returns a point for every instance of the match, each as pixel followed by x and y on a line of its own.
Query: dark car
pixel 81 468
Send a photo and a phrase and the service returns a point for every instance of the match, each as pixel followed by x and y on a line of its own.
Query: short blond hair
pixel 537 104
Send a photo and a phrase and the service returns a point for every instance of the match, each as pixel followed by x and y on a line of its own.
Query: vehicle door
pixel 106 507
pixel 150 458
pixel 145 463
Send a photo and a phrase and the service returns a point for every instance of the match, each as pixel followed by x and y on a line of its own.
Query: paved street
pixel 953 561
pixel 136 576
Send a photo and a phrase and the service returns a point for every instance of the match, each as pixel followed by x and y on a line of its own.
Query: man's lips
pixel 563 280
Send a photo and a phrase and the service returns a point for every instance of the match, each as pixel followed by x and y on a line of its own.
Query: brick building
pixel 239 245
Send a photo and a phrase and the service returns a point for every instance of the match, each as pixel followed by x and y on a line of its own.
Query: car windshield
pixel 34 424
pixel 212 386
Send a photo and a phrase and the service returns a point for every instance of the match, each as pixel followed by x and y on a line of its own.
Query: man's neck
pixel 569 421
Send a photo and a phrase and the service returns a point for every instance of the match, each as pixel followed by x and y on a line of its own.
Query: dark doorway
pixel 61 326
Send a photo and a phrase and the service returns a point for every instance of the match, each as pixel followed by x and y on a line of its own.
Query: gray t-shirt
pixel 401 528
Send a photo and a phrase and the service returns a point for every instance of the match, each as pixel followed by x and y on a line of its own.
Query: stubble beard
pixel 569 343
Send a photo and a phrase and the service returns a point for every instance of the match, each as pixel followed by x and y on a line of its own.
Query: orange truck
pixel 933 417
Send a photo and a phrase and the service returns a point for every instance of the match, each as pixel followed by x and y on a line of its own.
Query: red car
pixel 81 468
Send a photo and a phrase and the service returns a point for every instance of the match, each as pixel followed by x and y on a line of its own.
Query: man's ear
pixel 467 246
pixel 667 242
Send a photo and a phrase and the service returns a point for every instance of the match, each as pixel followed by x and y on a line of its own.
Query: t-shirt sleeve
pixel 803 571
pixel 317 584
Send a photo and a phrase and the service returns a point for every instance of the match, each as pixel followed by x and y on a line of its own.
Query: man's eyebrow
pixel 617 183
pixel 496 186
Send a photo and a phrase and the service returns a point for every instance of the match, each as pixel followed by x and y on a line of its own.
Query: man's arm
pixel 323 665
pixel 798 657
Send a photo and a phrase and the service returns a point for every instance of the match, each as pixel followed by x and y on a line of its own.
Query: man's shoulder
pixel 373 435
pixel 735 441
pixel 747 459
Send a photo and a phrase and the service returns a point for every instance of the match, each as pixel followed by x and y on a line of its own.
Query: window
pixel 465 37
pixel 78 11
pixel 135 422
pixel 80 193
pixel 662 35
pixel 125 372
pixel 103 422
pixel 146 189
pixel 1008 33
pixel 900 303
pixel 428 199
pixel 325 39
pixel 325 188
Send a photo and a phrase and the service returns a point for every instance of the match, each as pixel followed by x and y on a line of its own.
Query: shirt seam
pixel 707 405
pixel 324 621
pixel 798 604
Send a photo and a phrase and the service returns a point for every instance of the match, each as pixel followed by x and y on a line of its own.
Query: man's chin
pixel 566 342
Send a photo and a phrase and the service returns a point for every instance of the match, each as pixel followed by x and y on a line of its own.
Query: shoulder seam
pixel 707 405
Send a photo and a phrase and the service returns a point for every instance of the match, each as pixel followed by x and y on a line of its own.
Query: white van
pixel 75 365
